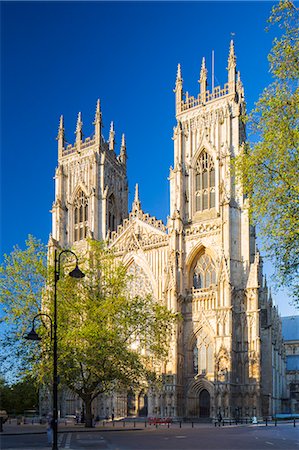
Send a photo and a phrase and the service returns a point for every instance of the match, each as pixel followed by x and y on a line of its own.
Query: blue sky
pixel 60 57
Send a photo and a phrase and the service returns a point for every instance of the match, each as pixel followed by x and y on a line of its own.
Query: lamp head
pixel 33 336
pixel 77 273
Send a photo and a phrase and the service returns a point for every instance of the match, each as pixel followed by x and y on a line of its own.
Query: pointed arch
pixel 132 259
pixel 202 267
pixel 201 351
pixel 80 214
pixel 204 182
pixel 200 398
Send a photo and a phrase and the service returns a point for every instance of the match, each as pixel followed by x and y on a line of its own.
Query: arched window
pixel 195 359
pixel 204 182
pixel 80 216
pixel 111 213
pixel 202 355
pixel 204 274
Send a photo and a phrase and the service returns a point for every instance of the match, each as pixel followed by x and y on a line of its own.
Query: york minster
pixel 227 353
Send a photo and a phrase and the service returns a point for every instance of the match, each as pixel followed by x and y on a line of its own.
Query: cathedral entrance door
pixel 204 403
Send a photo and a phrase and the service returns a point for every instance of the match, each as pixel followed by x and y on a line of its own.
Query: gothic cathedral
pixel 227 354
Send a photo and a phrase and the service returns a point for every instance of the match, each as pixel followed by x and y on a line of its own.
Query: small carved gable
pixel 138 232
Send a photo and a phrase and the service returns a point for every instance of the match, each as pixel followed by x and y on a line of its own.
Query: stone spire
pixel 136 206
pixel 112 137
pixel 98 123
pixel 203 80
pixel 78 132
pixel 231 67
pixel 178 90
pixel 123 150
pixel 60 137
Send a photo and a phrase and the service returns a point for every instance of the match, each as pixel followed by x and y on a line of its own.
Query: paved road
pixel 206 437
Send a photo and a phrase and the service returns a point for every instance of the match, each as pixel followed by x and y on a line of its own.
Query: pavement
pixel 11 428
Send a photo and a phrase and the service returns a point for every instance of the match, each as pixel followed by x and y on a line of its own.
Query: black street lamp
pixel 33 336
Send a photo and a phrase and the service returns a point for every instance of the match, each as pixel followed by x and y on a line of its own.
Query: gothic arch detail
pixel 203 274
pixel 80 215
pixel 137 263
pixel 204 182
pixel 202 354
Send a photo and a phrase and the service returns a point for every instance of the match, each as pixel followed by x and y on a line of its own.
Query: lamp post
pixel 32 335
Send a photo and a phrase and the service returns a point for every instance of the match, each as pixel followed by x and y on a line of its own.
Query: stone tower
pixel 217 270
pixel 91 189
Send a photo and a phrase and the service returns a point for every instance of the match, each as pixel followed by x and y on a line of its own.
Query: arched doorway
pixel 204 403
pixel 142 405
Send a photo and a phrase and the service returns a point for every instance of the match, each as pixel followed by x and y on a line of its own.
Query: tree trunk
pixel 88 412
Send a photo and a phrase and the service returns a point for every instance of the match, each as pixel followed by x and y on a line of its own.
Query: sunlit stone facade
pixel 204 263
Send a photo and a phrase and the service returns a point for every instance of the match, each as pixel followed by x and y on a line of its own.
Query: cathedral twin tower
pixel 203 264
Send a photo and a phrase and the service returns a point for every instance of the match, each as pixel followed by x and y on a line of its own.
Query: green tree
pixel 23 274
pixel 107 338
pixel 268 168
pixel 19 396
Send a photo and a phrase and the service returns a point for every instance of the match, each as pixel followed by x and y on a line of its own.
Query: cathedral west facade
pixel 227 354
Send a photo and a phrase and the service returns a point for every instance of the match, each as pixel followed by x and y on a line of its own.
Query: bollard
pixel 294 422
pixel 145 424
pixel 192 424
pixel 215 423
pixel 168 424
pixel 180 424
pixel 1 424
pixel 134 424
pixel 275 422
pixel 156 424
pixel 230 421
pixel 266 421
pixel 223 423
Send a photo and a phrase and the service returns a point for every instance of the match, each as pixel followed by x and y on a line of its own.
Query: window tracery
pixel 204 182
pixel 139 284
pixel 204 274
pixel 80 216
pixel 202 356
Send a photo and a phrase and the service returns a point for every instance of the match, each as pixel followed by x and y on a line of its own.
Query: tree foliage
pixel 19 396
pixel 107 337
pixel 269 167
pixel 23 274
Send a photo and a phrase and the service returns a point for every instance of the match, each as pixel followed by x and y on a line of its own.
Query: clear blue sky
pixel 60 57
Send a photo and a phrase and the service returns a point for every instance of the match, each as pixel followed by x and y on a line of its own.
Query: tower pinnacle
pixel 78 131
pixel 203 79
pixel 60 137
pixel 136 206
pixel 123 150
pixel 231 67
pixel 98 123
pixel 112 137
pixel 178 90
